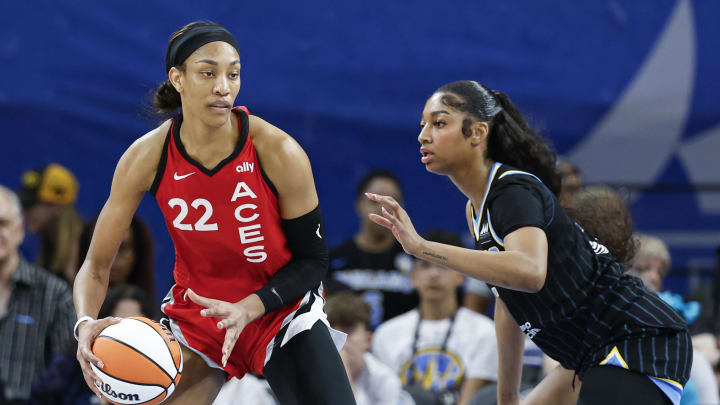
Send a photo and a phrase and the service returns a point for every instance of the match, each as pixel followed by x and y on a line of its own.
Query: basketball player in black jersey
pixel 554 282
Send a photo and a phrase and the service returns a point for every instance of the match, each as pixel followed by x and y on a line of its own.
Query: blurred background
pixel 627 91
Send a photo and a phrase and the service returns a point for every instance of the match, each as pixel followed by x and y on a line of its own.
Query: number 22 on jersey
pixel 249 234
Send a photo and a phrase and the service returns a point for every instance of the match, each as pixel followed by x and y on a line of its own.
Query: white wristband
pixel 79 321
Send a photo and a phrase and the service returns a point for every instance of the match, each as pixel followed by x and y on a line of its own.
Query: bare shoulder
pixel 287 166
pixel 281 156
pixel 271 140
pixel 140 160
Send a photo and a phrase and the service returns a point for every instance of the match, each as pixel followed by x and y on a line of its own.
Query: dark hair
pixel 166 98
pixel 345 310
pixel 117 294
pixel 376 174
pixel 511 139
pixel 142 274
pixel 440 236
pixel 605 215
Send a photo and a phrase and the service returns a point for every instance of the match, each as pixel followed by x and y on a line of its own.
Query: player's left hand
pixel 233 317
pixel 396 219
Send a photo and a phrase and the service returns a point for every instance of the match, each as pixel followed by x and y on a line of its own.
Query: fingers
pixel 382 221
pixel 384 200
pixel 104 323
pixel 202 301
pixel 91 379
pixel 89 357
pixel 87 338
pixel 215 311
pixel 92 385
pixel 388 215
pixel 231 336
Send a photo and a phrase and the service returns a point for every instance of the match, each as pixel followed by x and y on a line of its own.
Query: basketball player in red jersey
pixel 240 204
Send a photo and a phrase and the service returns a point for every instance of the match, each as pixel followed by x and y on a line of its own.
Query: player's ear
pixel 175 76
pixel 480 131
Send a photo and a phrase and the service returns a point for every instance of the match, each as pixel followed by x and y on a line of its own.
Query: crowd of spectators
pixel 417 333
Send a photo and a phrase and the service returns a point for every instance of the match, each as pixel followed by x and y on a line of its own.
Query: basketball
pixel 143 362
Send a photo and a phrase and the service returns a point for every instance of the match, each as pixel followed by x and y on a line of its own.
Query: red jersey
pixel 226 227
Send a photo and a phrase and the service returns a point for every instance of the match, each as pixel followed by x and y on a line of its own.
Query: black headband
pixel 193 39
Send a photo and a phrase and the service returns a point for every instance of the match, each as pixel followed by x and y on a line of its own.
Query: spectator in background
pixel 652 263
pixel 133 262
pixel 706 329
pixel 603 213
pixel 252 389
pixel 36 309
pixel 477 296
pixel 372 381
pixel 62 383
pixel 442 352
pixel 571 182
pixel 372 263
pixel 48 195
pixel 128 300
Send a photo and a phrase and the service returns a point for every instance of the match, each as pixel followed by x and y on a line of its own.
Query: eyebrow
pixel 212 62
pixel 434 113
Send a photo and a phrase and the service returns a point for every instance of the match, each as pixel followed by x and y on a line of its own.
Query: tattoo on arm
pixel 437 256
pixel 96 275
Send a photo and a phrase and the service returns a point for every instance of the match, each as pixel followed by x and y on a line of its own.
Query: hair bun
pixel 167 99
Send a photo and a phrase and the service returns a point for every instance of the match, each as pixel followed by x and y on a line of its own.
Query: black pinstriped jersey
pixel 588 312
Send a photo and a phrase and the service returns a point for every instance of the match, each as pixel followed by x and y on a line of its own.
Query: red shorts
pixel 255 344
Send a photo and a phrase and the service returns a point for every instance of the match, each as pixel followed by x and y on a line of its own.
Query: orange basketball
pixel 143 362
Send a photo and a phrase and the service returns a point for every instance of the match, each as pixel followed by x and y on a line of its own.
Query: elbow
pixel 536 280
pixel 317 269
pixel 320 261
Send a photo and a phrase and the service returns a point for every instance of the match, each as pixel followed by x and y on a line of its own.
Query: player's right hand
pixel 87 332
pixel 395 218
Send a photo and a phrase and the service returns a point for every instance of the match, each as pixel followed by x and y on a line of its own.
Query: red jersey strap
pixel 242 107
pixel 162 163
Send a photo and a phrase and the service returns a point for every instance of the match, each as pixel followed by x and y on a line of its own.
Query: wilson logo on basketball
pixel 107 389
pixel 168 334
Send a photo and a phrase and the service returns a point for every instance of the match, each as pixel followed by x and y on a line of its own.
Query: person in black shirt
pixel 372 263
pixel 556 281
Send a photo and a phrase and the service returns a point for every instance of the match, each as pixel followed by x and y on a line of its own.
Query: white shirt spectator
pixel 703 376
pixel 377 384
pixel 248 390
pixel 479 287
pixel 471 349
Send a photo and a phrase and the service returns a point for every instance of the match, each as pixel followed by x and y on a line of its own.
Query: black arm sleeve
pixel 518 202
pixel 307 267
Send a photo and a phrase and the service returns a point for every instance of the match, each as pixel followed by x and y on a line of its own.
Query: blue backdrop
pixel 627 90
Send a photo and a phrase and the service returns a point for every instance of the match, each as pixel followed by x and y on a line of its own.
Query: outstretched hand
pixel 233 317
pixel 396 219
